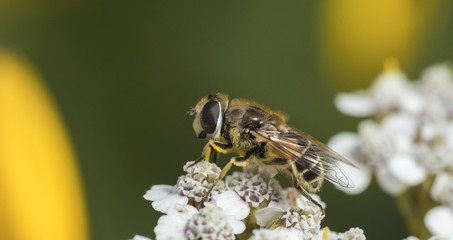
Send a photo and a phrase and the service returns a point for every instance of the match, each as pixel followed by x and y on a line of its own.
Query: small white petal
pixel 164 197
pixel 238 226
pixel 389 90
pixel 274 234
pixel 232 205
pixel 266 215
pixel 400 123
pixel 355 104
pixel 165 204
pixel 186 211
pixel 345 143
pixel 158 192
pixel 441 185
pixel 412 102
pixel 438 238
pixel 170 227
pixel 388 182
pixel 406 170
pixel 138 237
pixel 282 203
pixel 438 77
pixel 439 221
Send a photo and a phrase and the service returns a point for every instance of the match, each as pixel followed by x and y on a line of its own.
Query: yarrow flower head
pixel 411 134
pixel 272 234
pixel 255 185
pixel 220 219
pixel 209 223
pixel 250 203
pixel 351 234
pixel 193 186
pixel 296 213
pixel 198 181
pixel 406 143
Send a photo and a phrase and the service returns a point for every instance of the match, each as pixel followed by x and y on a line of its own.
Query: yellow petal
pixel 357 36
pixel 40 187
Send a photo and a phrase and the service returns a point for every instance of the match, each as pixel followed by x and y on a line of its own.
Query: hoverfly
pixel 260 134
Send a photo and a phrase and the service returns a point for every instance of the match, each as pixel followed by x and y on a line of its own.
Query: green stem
pixel 250 225
pixel 413 205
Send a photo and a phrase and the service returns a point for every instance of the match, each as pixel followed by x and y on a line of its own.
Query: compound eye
pixel 202 135
pixel 210 117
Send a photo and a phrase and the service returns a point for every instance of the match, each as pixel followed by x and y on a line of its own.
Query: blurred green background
pixel 124 74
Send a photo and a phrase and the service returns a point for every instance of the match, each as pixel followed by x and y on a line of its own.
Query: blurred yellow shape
pixel 357 36
pixel 40 187
pixel 391 65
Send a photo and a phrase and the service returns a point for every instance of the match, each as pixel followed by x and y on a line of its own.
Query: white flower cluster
pixel 351 234
pixel 407 139
pixel 199 180
pixel 255 185
pixel 248 204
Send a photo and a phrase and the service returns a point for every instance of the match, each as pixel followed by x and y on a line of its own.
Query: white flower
pixel 357 104
pixel 390 91
pixel 380 142
pixel 164 197
pixel 199 180
pixel 435 153
pixel 255 185
pixel 220 219
pixel 439 221
pixel 407 170
pixel 210 224
pixel 303 216
pixel 412 135
pixel 234 208
pixel 195 185
pixel 138 237
pixel 438 77
pixel 172 226
pixel 385 148
pixel 351 234
pixel 275 234
pixel 442 189
pixel 437 83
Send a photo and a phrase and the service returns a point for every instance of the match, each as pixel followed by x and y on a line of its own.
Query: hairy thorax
pixel 241 117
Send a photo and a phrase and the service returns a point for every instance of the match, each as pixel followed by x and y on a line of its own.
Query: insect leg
pixel 215 156
pixel 276 161
pixel 220 147
pixel 224 171
pixel 308 196
pixel 205 154
pixel 213 147
pixel 297 185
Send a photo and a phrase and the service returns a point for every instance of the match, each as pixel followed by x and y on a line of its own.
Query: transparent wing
pixel 307 153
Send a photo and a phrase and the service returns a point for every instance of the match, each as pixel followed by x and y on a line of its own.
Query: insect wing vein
pixel 329 169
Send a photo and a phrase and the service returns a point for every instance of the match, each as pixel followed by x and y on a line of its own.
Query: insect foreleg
pixel 206 154
pixel 215 156
pixel 214 147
